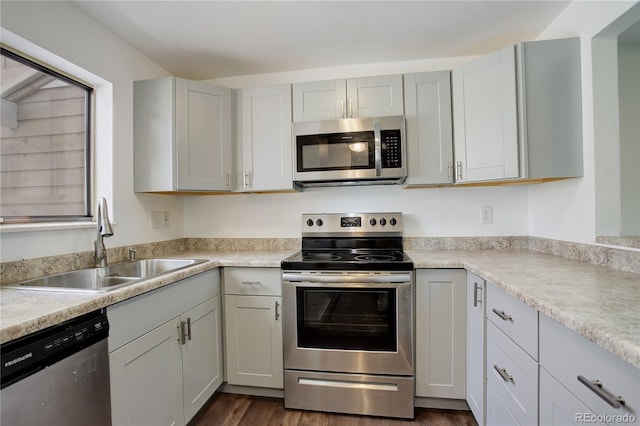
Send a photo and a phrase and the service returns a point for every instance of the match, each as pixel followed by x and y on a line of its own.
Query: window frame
pixel 88 145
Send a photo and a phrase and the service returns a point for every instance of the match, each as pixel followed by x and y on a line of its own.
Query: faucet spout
pixel 104 230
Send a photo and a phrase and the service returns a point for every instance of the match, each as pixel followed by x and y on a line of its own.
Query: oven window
pixel 349 319
pixel 336 151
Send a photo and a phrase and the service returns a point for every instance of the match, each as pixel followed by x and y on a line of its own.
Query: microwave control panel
pixel 391 151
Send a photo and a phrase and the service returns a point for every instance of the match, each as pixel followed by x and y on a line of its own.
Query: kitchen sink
pixel 145 268
pixel 98 280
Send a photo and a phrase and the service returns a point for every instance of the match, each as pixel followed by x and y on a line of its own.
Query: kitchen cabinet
pixel 264 139
pixel 569 392
pixel 253 325
pixel 518 113
pixel 355 97
pixel 440 333
pixel 476 368
pixel 165 352
pixel 511 358
pixel 427 104
pixel 182 136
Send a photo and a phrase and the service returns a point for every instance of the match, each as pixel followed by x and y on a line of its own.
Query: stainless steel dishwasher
pixel 58 376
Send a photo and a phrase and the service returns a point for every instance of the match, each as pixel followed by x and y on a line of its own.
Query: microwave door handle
pixel 377 138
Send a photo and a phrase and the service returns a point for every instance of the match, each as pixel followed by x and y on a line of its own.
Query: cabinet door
pixel 427 98
pixel 202 355
pixel 558 406
pixel 379 96
pixel 203 136
pixel 319 100
pixel 485 118
pixel 476 373
pixel 254 341
pixel 440 333
pixel 266 139
pixel 146 379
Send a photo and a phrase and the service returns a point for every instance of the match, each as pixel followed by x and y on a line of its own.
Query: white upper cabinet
pixel 182 136
pixel 355 97
pixel 427 99
pixel 264 139
pixel 518 113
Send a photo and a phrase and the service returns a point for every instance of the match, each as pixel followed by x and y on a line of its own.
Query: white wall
pixel 72 40
pixel 565 210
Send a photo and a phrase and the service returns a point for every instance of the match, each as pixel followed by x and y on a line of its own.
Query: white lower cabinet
pixel 163 374
pixel 476 331
pixel 497 412
pixel 589 384
pixel 511 359
pixel 440 333
pixel 253 324
pixel 558 406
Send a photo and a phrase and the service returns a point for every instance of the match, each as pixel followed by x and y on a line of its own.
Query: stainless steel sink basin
pixel 145 268
pixel 98 280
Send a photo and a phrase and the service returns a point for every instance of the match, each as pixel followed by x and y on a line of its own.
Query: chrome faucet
pixel 104 230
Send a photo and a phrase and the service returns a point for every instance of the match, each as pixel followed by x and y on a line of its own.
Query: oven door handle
pixel 347 279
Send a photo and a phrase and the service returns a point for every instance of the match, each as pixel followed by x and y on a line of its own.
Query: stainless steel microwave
pixel 352 151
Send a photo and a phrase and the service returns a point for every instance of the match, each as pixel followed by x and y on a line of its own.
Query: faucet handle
pixel 132 254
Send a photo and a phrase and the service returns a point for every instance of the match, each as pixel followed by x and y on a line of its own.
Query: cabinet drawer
pixel 515 318
pixel 559 407
pixel 497 412
pixel 517 381
pixel 253 281
pixel 567 356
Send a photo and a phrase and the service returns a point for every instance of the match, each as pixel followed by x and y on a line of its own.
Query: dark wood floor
pixel 230 409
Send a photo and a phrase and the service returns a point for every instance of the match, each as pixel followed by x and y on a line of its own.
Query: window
pixel 44 143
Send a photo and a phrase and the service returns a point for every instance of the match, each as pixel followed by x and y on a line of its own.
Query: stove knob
pixel 319 222
pixel 309 222
pixel 393 221
pixel 372 221
pixel 383 221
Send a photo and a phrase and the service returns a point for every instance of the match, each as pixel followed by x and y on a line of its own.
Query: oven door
pixel 348 322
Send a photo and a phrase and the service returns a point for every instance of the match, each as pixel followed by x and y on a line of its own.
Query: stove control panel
pixel 352 223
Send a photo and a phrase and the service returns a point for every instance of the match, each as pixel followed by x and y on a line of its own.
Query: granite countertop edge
pixel 539 280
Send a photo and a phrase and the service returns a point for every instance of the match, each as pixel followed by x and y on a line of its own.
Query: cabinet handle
pixel 476 288
pixel 229 180
pixel 183 338
pixel 277 310
pixel 244 179
pixel 189 328
pixel 459 170
pixel 344 107
pixel 502 314
pixel 449 171
pixel 251 282
pixel 350 107
pixel 503 373
pixel 596 387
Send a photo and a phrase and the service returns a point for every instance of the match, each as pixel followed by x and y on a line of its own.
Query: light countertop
pixel 599 303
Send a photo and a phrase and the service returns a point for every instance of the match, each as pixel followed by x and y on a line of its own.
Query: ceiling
pixel 212 39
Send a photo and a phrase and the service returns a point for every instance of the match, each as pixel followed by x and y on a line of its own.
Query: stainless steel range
pixel 348 317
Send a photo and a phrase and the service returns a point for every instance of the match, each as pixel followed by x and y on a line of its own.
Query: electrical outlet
pixel 486 214
pixel 157 221
pixel 165 219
